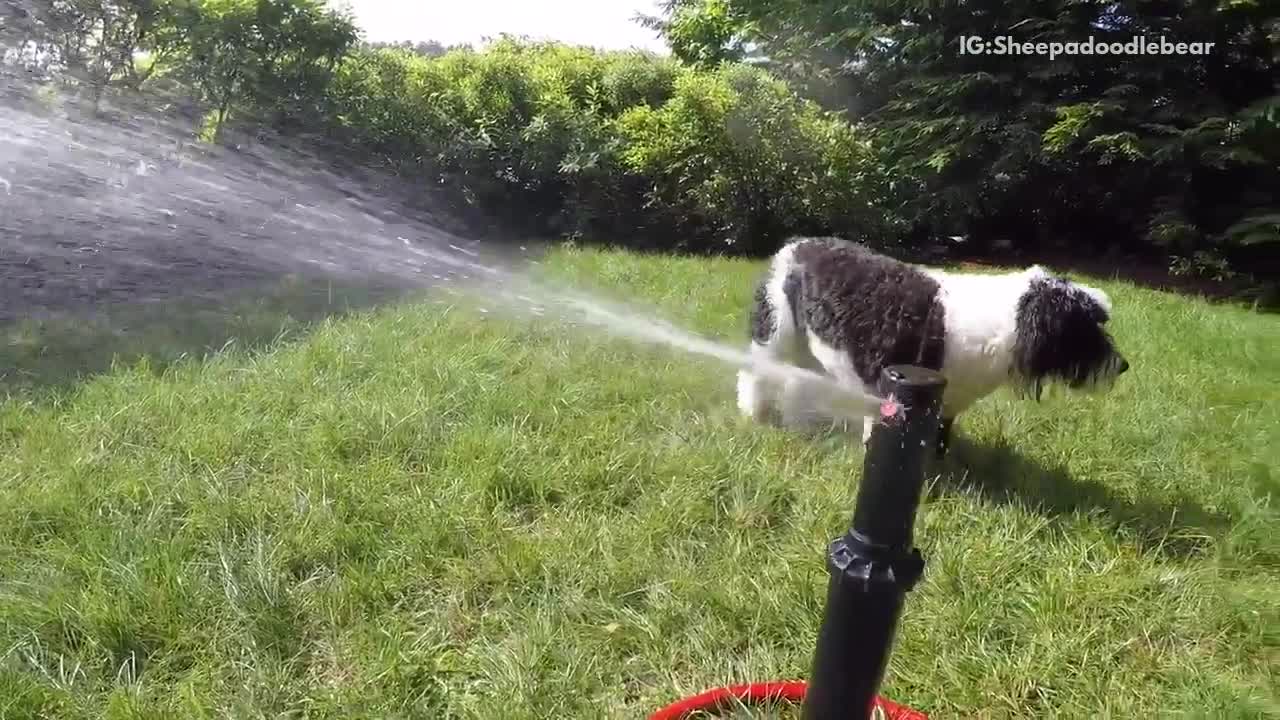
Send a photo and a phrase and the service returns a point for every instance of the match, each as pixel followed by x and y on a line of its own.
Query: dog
pixel 839 308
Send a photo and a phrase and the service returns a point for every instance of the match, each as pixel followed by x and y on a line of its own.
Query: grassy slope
pixel 425 514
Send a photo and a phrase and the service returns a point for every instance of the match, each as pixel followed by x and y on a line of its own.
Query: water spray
pixel 133 203
pixel 515 292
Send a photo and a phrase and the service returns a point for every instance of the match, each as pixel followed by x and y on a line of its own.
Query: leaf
pixel 1072 121
pixel 939 160
pixel 1125 143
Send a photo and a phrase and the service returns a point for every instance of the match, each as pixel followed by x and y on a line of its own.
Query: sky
pixel 604 24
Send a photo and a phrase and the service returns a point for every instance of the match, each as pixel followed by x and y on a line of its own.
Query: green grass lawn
pixel 423 511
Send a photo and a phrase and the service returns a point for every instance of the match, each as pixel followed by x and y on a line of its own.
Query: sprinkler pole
pixel 875 564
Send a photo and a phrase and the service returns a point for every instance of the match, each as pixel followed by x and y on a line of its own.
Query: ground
pixel 422 510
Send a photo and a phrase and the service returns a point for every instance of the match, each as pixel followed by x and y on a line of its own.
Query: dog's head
pixel 1062 336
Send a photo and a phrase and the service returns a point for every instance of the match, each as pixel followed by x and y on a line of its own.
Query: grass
pixel 425 512
pixel 49 354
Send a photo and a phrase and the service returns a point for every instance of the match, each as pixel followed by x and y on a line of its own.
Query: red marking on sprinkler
pixel 890 409
pixel 726 698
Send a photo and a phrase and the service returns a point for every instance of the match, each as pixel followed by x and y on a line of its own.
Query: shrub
pixel 735 149
pixel 619 145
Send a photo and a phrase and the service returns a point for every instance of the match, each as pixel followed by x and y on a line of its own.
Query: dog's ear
pixel 1100 297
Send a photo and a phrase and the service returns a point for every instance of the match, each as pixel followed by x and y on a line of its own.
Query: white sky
pixel 604 24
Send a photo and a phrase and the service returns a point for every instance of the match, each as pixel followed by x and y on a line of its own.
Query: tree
pixel 702 33
pixel 298 47
pixel 425 48
pixel 91 43
pixel 271 56
pixel 1162 151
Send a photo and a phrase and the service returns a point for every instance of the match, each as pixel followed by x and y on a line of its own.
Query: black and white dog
pixel 837 307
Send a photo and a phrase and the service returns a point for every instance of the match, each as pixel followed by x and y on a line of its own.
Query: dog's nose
pixel 1124 365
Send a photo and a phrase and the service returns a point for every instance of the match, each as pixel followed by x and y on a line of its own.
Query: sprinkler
pixel 871 567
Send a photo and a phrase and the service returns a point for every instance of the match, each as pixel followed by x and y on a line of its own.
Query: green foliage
pixel 428 48
pixel 1082 149
pixel 519 129
pixel 1171 156
pixel 701 33
pixel 269 58
pixel 739 149
pixel 618 144
pixel 1072 120
pixel 88 44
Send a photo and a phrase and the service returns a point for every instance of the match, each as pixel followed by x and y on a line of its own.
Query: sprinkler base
pixel 727 698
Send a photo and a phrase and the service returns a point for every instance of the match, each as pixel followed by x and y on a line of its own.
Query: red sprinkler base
pixel 722 699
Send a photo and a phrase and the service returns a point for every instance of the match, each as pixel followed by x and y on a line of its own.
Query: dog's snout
pixel 1124 365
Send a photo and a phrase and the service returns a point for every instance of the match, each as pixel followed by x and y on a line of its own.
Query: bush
pixel 736 150
pixel 622 145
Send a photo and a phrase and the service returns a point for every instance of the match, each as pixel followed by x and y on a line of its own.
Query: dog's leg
pixel 773 340
pixel 799 405
pixel 838 365
pixel 755 393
